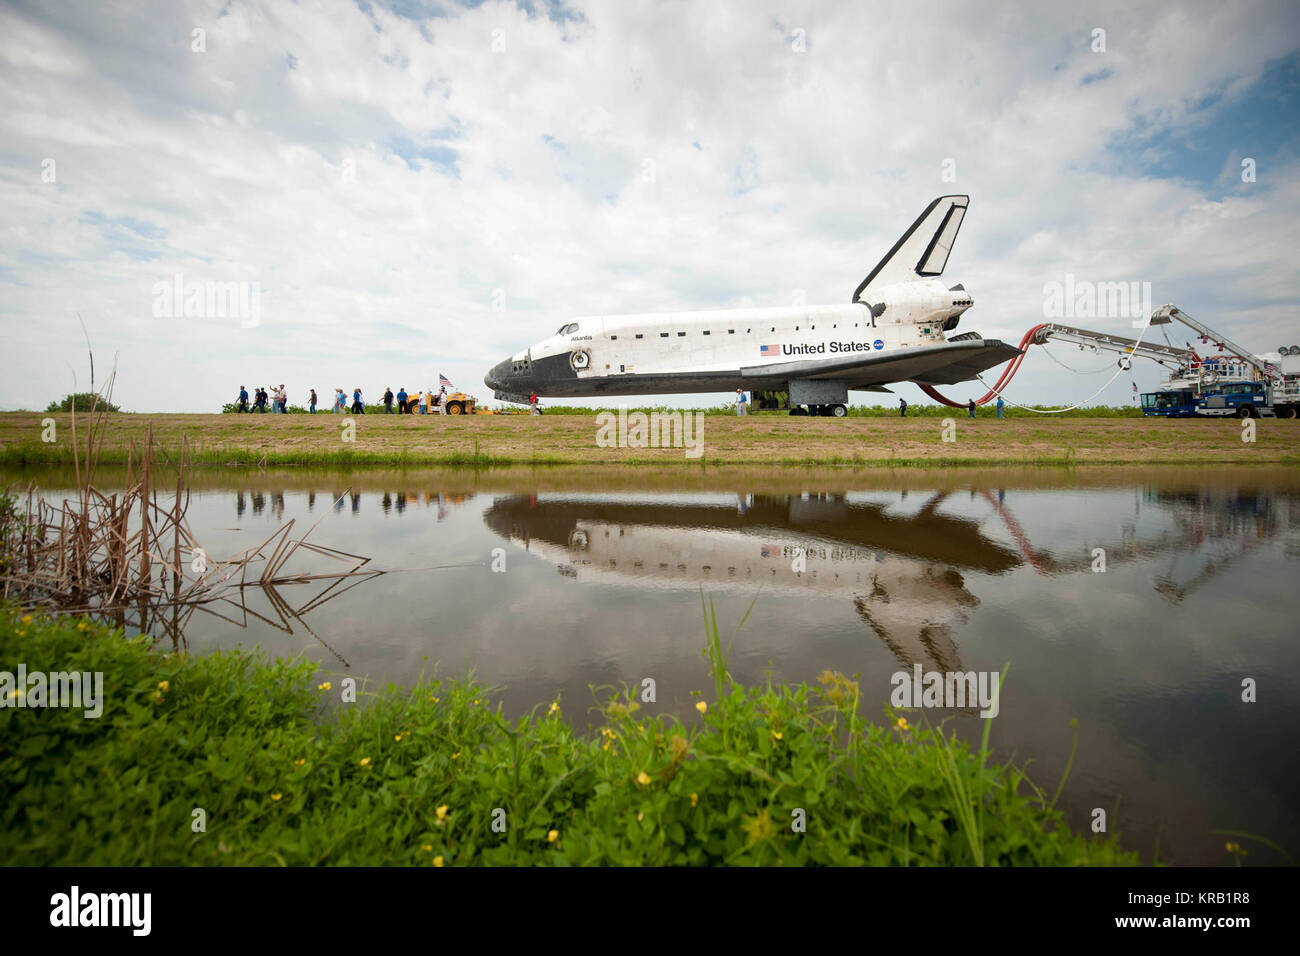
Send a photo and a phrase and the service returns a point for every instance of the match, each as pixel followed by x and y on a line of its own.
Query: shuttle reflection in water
pixel 902 573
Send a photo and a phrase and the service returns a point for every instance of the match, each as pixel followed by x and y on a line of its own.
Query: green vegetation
pixel 875 411
pixel 232 408
pixel 84 401
pixel 482 441
pixel 418 775
pixel 855 411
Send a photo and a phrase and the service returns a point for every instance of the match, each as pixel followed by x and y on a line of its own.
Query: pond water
pixel 599 577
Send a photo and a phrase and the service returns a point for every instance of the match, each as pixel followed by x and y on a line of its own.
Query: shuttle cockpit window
pixel 568 329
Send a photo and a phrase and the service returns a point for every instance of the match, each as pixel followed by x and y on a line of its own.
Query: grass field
pixel 765 439
pixel 232 758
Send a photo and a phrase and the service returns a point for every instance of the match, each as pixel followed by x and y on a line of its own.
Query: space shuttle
pixel 894 329
pixel 902 574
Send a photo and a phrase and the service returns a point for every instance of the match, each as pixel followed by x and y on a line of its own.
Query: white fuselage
pixel 689 351
pixel 914 315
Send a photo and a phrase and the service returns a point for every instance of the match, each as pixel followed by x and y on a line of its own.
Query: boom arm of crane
pixel 1168 313
pixel 1186 359
pixel 1086 338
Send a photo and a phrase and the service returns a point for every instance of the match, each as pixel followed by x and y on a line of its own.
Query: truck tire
pixel 455 408
pixel 1246 411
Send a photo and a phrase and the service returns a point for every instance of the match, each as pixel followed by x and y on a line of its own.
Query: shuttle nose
pixel 496 378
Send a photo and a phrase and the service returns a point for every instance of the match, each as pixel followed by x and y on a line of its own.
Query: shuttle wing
pixel 923 250
pixel 945 364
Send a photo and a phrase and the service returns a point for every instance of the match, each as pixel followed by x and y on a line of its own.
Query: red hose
pixel 1008 374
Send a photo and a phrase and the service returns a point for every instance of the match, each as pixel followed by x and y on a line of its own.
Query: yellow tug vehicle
pixel 458 403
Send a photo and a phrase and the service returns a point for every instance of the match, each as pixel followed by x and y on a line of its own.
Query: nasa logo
pixel 878 344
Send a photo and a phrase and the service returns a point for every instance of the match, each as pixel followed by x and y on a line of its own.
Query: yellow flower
pixel 437 861
pixel 365 761
pixel 695 799
pixel 776 735
pixel 643 778
pixel 164 686
pixel 434 699
pixel 326 685
pixel 442 812
pixel 701 707
pixel 901 723
pixel 276 796
pixel 427 848
pixel 27 619
pixel 300 761
pixel 552 836
pixel 456 755
pixel 398 737
pixel 555 707
pixel 157 697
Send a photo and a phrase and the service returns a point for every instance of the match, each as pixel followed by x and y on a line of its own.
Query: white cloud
pixel 773 170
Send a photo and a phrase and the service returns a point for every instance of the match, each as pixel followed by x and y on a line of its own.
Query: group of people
pixel 970 408
pixel 426 402
pixel 276 398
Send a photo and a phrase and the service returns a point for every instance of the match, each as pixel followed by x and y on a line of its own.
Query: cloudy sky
pixel 420 187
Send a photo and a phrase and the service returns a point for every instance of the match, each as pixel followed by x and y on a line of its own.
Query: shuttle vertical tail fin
pixel 923 250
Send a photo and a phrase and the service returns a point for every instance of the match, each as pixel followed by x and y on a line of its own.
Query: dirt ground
pixel 757 439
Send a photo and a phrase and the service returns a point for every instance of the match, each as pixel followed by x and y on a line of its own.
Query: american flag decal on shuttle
pixel 765 350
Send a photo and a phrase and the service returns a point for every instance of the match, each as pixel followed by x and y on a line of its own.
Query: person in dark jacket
pixel 388 400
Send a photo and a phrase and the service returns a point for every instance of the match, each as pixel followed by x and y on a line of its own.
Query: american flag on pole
pixel 443 381
pixel 765 350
